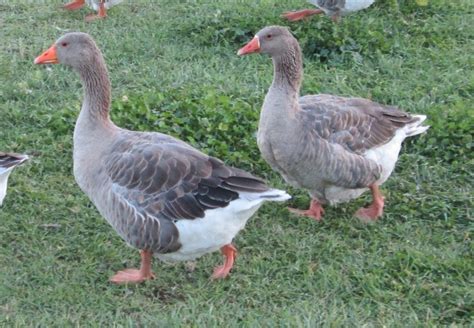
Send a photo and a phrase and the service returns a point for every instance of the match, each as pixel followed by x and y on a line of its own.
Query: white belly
pixel 94 4
pixel 4 173
pixel 208 234
pixel 386 156
pixel 356 5
pixel 349 7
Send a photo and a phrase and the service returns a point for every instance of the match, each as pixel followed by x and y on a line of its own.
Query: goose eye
pixel 269 36
pixel 64 44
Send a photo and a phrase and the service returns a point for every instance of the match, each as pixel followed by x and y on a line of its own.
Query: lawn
pixel 174 69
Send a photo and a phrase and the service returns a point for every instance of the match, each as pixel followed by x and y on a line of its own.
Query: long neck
pixel 281 101
pixel 288 69
pixel 97 93
pixel 94 130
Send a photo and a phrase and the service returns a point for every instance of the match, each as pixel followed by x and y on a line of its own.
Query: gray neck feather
pixel 281 101
pixel 288 68
pixel 97 93
pixel 94 130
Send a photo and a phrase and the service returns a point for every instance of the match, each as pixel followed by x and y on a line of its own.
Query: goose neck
pixel 97 91
pixel 288 70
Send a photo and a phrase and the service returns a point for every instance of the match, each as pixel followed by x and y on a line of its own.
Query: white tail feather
pixel 275 195
pixel 272 195
pixel 415 128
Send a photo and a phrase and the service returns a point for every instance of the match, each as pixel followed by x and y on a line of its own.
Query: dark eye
pixel 64 44
pixel 268 36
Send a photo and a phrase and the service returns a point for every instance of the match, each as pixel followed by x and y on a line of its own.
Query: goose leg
pixel 134 276
pixel 74 5
pixel 101 14
pixel 315 210
pixel 336 18
pixel 230 253
pixel 293 16
pixel 374 210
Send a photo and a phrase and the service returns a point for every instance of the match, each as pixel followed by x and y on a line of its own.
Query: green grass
pixel 174 69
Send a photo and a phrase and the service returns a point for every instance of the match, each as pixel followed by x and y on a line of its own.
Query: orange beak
pixel 48 57
pixel 252 46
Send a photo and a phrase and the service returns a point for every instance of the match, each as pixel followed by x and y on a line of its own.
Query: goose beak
pixel 252 46
pixel 48 57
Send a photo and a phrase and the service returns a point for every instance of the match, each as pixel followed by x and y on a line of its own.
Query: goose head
pixel 74 49
pixel 271 40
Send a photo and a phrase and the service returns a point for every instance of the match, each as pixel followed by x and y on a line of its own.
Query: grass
pixel 174 69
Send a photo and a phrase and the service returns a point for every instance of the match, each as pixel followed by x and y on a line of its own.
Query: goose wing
pixel 354 123
pixel 172 180
pixel 338 131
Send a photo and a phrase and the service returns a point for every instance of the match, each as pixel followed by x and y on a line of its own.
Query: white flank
pixel 94 4
pixel 350 6
pixel 219 226
pixel 386 156
pixel 4 173
pixel 356 5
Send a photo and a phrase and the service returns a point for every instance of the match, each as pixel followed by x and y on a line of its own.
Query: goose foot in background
pixel 101 14
pixel 374 210
pixel 74 5
pixel 294 16
pixel 222 271
pixel 135 276
pixel 336 18
pixel 315 210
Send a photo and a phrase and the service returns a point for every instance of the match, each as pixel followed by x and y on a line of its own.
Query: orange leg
pixel 74 5
pixel 135 276
pixel 293 16
pixel 222 271
pixel 374 210
pixel 336 18
pixel 101 14
pixel 315 210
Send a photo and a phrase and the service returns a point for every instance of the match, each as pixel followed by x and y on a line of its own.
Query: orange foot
pixel 74 5
pixel 135 276
pixel 294 16
pixel 101 14
pixel 336 18
pixel 315 210
pixel 131 276
pixel 222 271
pixel 374 210
pixel 93 17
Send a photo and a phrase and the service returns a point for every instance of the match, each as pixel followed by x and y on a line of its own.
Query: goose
pixel 333 8
pixel 161 195
pixel 8 161
pixel 100 6
pixel 335 147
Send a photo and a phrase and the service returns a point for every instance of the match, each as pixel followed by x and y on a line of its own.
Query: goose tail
pixel 275 195
pixel 416 127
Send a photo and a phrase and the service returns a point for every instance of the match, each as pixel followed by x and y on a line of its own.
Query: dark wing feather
pixel 356 124
pixel 11 159
pixel 337 131
pixel 170 180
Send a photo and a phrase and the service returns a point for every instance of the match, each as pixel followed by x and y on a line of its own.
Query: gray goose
pixel 160 195
pixel 333 8
pixel 100 6
pixel 8 161
pixel 333 146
